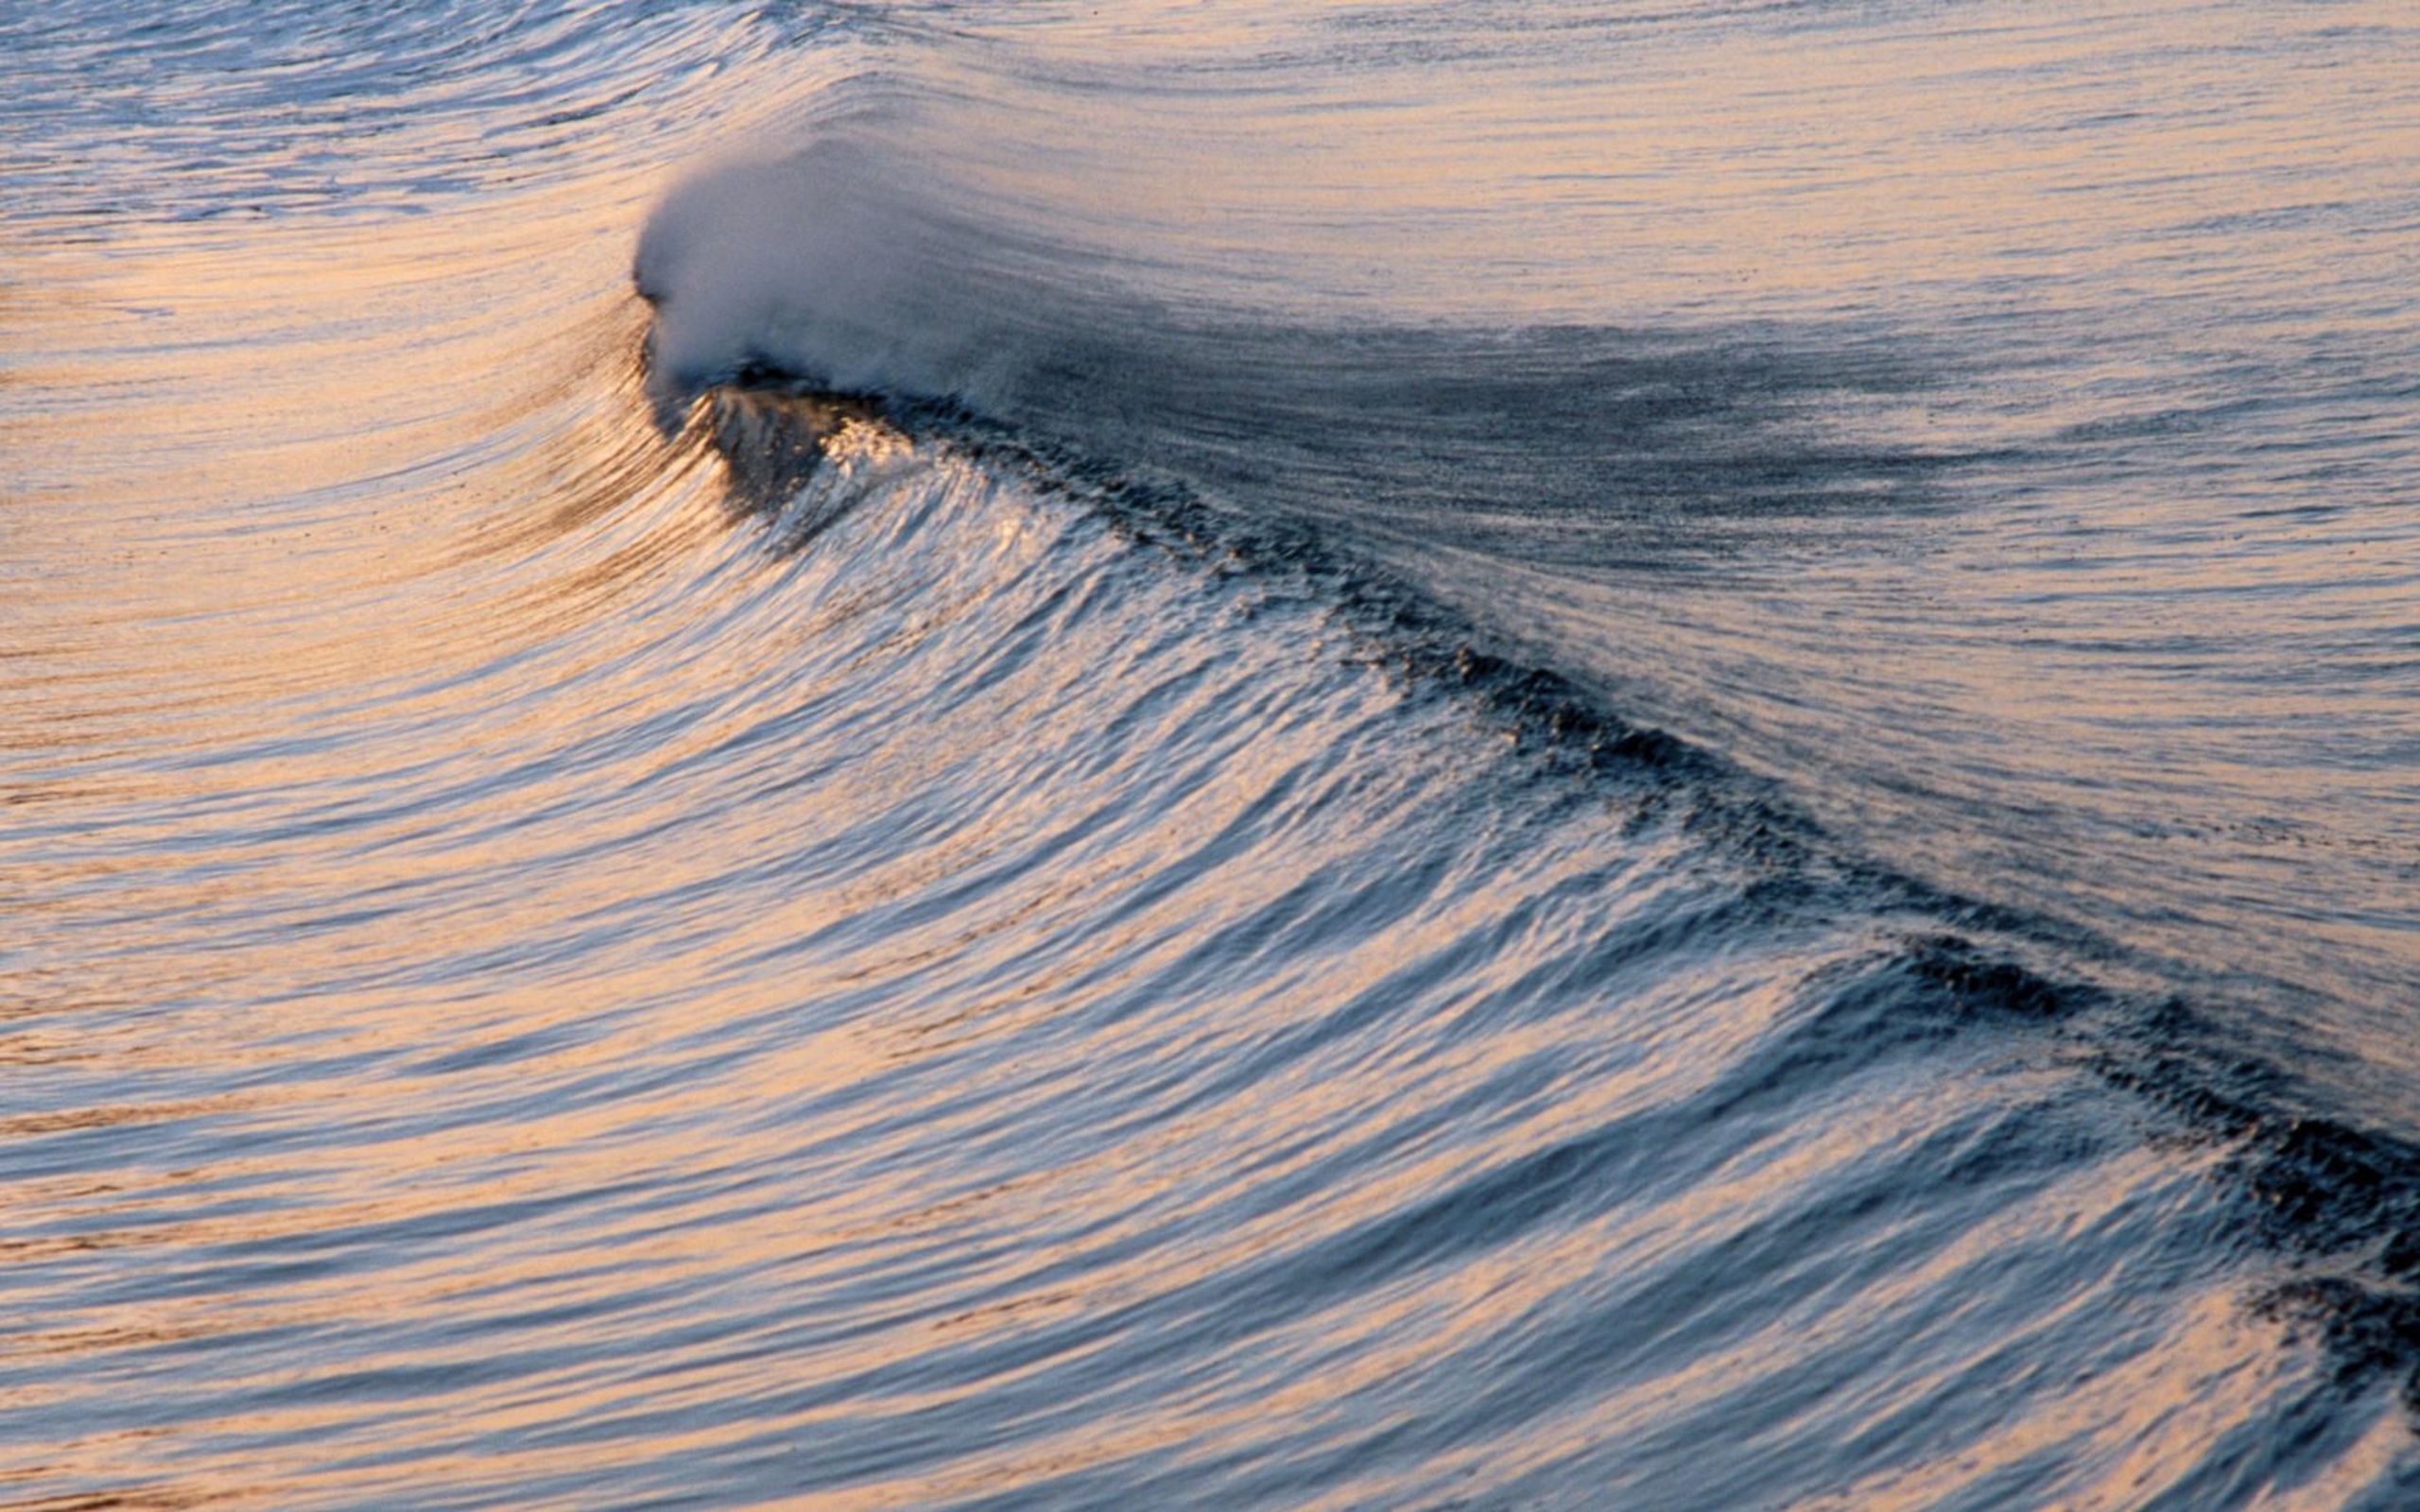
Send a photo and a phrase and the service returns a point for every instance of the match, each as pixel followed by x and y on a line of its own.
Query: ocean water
pixel 1576 754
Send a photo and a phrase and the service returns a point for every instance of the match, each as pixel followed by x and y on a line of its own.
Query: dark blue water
pixel 1291 756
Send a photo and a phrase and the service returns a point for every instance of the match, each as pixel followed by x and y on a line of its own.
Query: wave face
pixel 1382 756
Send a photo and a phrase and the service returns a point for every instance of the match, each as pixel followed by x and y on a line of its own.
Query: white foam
pixel 833 263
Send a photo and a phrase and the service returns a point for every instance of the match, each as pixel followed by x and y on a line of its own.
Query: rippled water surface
pixel 1266 755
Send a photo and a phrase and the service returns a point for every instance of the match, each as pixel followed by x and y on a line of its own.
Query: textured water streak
pixel 1137 934
pixel 2035 384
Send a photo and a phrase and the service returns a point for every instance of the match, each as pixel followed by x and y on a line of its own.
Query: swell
pixel 1010 980
pixel 1916 550
pixel 1051 969
pixel 2333 1201
pixel 1346 457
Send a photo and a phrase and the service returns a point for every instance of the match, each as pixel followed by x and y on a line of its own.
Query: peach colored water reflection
pixel 550 980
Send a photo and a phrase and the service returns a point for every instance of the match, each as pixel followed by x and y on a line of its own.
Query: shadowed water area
pixel 1277 755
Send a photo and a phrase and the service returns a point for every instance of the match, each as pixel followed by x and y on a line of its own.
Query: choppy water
pixel 1479 755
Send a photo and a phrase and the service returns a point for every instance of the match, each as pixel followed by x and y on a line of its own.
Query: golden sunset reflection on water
pixel 1338 756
